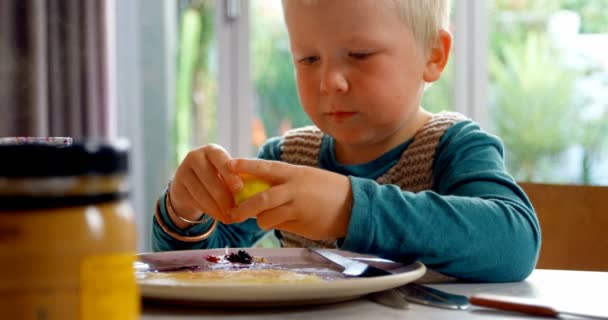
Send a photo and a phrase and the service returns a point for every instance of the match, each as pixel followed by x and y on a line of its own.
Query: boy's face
pixel 359 70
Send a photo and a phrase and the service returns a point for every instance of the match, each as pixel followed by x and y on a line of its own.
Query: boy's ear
pixel 438 57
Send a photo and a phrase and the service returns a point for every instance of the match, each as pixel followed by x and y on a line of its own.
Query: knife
pixel 525 305
pixel 411 292
pixel 351 267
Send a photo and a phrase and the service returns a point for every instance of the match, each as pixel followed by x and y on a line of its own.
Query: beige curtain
pixel 53 68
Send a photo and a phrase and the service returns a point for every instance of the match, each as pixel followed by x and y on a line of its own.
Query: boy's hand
pixel 307 201
pixel 203 183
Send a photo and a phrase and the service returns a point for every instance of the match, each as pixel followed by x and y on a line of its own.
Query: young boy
pixel 377 173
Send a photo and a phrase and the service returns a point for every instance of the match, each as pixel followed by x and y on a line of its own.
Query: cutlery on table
pixel 390 298
pixel 411 292
pixel 524 305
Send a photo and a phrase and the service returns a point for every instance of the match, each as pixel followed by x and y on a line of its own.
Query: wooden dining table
pixel 573 291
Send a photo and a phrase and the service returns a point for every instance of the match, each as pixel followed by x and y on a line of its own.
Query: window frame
pixel 235 90
pixel 470 54
pixel 142 100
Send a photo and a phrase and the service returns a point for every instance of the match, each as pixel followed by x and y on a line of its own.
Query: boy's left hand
pixel 307 201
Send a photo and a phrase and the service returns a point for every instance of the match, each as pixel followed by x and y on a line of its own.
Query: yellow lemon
pixel 251 186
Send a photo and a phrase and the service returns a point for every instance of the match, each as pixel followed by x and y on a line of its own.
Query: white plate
pixel 336 288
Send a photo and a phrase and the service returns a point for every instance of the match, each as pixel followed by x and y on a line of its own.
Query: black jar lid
pixel 85 157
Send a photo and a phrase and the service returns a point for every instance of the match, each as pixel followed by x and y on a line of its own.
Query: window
pixel 196 87
pixel 548 71
pixel 276 107
pixel 213 91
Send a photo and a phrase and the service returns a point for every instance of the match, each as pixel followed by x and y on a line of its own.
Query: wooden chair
pixel 574 225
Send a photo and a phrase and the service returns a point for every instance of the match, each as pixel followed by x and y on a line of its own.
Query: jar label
pixel 108 289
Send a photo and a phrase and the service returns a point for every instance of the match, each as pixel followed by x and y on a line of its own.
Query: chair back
pixel 574 225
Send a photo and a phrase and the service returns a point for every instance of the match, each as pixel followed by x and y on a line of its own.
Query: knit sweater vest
pixel 413 172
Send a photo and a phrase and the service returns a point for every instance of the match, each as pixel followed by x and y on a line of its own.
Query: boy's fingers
pixel 267 200
pixel 209 184
pixel 271 219
pixel 219 159
pixel 271 171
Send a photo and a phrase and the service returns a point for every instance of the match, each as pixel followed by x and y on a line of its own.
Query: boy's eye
pixel 360 55
pixel 309 60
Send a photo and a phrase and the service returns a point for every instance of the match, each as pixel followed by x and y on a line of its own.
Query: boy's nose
pixel 333 80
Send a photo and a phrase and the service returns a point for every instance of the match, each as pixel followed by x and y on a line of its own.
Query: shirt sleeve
pixel 475 224
pixel 242 234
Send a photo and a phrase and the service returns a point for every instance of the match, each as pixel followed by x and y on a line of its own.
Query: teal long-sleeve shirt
pixel 475 223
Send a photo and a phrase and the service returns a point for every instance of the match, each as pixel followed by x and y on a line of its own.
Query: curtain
pixel 53 68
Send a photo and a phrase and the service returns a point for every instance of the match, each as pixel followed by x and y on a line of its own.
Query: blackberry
pixel 240 257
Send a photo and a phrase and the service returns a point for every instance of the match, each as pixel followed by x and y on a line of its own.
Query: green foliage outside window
pixel 536 107
pixel 532 111
pixel 593 14
pixel 438 95
pixel 195 89
pixel 275 87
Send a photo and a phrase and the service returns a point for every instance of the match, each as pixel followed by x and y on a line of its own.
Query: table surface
pixel 574 291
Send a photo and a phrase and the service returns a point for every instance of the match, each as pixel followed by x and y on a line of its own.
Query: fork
pixel 412 292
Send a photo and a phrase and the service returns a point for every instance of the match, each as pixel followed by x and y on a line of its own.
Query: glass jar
pixel 67 232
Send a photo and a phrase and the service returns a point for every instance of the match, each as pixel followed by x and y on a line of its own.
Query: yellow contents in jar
pixel 67 232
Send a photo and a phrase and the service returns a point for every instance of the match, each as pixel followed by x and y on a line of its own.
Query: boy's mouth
pixel 340 116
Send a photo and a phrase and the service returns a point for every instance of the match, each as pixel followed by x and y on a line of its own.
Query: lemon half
pixel 251 186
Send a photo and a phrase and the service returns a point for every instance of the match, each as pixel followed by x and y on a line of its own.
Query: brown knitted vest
pixel 413 172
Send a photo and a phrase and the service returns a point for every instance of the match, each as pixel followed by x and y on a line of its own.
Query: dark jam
pixel 240 257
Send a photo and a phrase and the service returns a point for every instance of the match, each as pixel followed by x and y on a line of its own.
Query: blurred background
pixel 171 75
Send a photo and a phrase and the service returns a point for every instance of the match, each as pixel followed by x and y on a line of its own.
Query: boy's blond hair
pixel 423 17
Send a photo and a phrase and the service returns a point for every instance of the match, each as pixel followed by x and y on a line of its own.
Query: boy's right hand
pixel 203 184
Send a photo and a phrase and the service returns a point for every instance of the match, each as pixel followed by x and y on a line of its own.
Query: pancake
pixel 261 276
